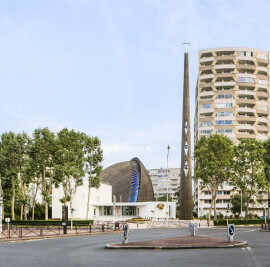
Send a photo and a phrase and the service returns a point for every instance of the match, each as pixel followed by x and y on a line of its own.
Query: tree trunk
pixel 210 211
pixel 24 212
pixel 268 202
pixel 13 198
pixel 215 207
pixel 34 203
pixel 46 211
pixel 3 210
pixel 88 199
pixel 21 216
pixel 246 212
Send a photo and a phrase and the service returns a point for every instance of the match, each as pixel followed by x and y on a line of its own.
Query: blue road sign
pixel 230 230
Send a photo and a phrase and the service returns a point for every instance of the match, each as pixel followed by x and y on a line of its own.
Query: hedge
pixel 47 222
pixel 240 222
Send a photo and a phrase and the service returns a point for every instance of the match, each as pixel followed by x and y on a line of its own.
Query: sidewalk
pixel 71 233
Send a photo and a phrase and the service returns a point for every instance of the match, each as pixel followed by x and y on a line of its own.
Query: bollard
pixel 90 228
pixel 102 227
pixel 126 230
pixel 20 232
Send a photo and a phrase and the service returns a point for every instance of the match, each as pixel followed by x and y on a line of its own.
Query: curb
pixel 112 246
pixel 24 239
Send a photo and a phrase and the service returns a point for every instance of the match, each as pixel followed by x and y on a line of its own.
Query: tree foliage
pixel 93 158
pixel 213 164
pixel 249 169
pixel 42 161
pixel 236 203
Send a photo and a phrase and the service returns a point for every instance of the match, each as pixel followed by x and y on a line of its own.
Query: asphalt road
pixel 90 251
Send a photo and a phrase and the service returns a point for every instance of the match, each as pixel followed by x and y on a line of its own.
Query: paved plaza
pixel 91 251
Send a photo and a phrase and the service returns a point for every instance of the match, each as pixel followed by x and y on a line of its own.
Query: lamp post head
pixel 168 147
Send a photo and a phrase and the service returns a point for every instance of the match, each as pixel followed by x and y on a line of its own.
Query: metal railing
pixel 15 231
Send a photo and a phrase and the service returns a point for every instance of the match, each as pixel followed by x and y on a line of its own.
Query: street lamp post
pixel 241 205
pixel 167 215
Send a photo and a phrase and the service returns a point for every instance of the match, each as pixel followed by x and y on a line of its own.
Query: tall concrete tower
pixel 186 203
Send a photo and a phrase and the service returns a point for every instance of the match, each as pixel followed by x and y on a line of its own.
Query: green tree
pixel 10 156
pixel 267 167
pixel 236 203
pixel 249 172
pixel 69 168
pixel 213 160
pixel 24 179
pixel 164 198
pixel 41 165
pixel 93 159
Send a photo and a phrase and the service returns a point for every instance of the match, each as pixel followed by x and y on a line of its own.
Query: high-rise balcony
pixel 225 83
pixel 206 59
pixel 246 110
pixel 245 101
pixel 224 66
pixel 245 135
pixel 262 94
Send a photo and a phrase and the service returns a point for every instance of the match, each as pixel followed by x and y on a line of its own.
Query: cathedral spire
pixel 186 203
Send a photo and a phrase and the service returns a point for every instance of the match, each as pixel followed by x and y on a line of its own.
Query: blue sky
pixel 114 69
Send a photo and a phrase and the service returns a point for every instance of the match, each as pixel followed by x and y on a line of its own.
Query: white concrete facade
pixel 165 180
pixel 101 206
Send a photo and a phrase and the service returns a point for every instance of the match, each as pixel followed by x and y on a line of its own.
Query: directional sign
pixel 231 230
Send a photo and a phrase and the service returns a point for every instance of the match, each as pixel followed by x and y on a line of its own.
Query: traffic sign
pixel 231 230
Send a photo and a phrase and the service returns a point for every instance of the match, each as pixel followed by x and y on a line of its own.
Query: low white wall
pixel 151 210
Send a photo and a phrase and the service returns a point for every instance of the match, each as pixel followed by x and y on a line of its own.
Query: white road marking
pixel 254 258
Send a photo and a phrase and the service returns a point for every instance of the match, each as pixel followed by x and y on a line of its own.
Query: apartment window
pixel 219 192
pixel 224 131
pixel 245 53
pixel 245 80
pixel 224 89
pixel 226 201
pixel 241 53
pixel 262 81
pixel 263 56
pixel 206 123
pixel 226 122
pixel 262 107
pixel 205 132
pixel 207 201
pixel 226 192
pixel 224 114
pixel 224 96
pixel 224 105
pixel 206 106
pixel 207 193
pixel 128 211
pixel 107 211
pixel 219 201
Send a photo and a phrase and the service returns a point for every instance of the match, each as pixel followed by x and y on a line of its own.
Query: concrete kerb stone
pixel 112 246
pixel 180 242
